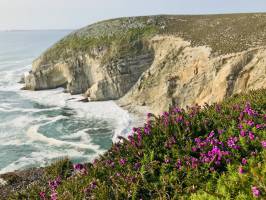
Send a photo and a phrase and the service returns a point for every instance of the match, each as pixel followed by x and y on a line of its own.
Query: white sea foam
pixel 107 110
pixel 44 157
pixel 34 135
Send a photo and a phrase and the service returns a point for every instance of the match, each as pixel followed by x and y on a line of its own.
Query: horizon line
pixel 105 19
pixel 40 29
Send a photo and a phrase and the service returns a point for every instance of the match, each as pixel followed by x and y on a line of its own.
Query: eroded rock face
pixel 186 75
pixel 87 74
pixel 158 61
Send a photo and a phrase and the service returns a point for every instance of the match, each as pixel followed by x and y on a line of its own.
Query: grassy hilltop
pixel 211 152
pixel 223 33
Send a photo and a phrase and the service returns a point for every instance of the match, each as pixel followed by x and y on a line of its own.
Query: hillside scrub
pixel 203 152
pixel 222 33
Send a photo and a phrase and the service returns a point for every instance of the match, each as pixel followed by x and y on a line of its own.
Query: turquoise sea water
pixel 39 127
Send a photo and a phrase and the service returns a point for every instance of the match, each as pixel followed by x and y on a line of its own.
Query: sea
pixel 40 127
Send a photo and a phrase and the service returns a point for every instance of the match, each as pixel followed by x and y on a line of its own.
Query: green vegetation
pixel 212 152
pixel 126 36
pixel 129 43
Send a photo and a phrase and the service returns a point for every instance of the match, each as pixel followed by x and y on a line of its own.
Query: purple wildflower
pixel 134 129
pixel 78 167
pixel 260 126
pixel 137 166
pixel 194 149
pixel 255 191
pixel 251 135
pixel 240 126
pixel 167 160
pixel 178 164
pixel 231 142
pixel 263 143
pixel 42 195
pixel 250 123
pixel 179 119
pixel 54 195
pixel 91 187
pixel 249 110
pixel 244 161
pixel 149 115
pixel 220 132
pixel 122 161
pixel 177 110
pixel 147 129
pixel 242 133
pixel 241 170
pixel 211 134
pixel 54 183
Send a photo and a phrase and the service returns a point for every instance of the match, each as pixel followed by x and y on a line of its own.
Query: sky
pixel 73 14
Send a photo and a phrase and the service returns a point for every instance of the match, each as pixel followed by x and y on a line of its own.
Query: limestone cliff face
pixel 158 61
pixel 185 75
pixel 86 74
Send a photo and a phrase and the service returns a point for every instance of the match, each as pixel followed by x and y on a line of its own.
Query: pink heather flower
pixel 179 118
pixel 149 115
pixel 231 142
pixel 134 129
pixel 242 133
pixel 78 167
pixel 42 195
pixel 54 183
pixel 178 164
pixel 211 134
pixel 197 140
pixel 147 129
pixel 244 161
pixel 137 166
pixel 260 126
pixel 263 143
pixel 241 170
pixel 250 123
pixel 220 132
pixel 122 161
pixel 194 149
pixel 54 195
pixel 251 135
pixel 167 160
pixel 177 110
pixel 255 191
pixel 249 110
pixel 240 126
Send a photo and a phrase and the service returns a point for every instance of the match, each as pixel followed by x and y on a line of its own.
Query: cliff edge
pixel 158 61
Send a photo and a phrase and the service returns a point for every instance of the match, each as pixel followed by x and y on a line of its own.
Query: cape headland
pixel 158 61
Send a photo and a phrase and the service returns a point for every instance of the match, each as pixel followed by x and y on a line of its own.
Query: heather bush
pixel 210 152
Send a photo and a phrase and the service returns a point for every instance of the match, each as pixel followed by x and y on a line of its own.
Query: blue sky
pixel 72 14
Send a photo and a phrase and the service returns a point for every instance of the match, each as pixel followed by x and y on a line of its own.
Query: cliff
pixel 158 60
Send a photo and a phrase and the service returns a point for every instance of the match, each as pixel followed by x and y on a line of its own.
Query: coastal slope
pixel 158 61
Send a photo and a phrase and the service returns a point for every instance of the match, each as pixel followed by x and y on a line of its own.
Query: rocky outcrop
pixel 87 74
pixel 185 75
pixel 158 61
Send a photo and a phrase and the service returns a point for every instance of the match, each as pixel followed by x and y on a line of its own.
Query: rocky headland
pixel 158 61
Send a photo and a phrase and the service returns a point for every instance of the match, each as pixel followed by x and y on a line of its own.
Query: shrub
pixel 212 152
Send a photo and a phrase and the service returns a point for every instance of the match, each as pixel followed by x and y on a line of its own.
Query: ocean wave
pixel 35 136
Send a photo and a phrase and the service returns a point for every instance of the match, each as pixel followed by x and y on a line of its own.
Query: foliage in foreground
pixel 212 152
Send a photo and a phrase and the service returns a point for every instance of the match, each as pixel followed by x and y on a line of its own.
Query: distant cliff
pixel 158 60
